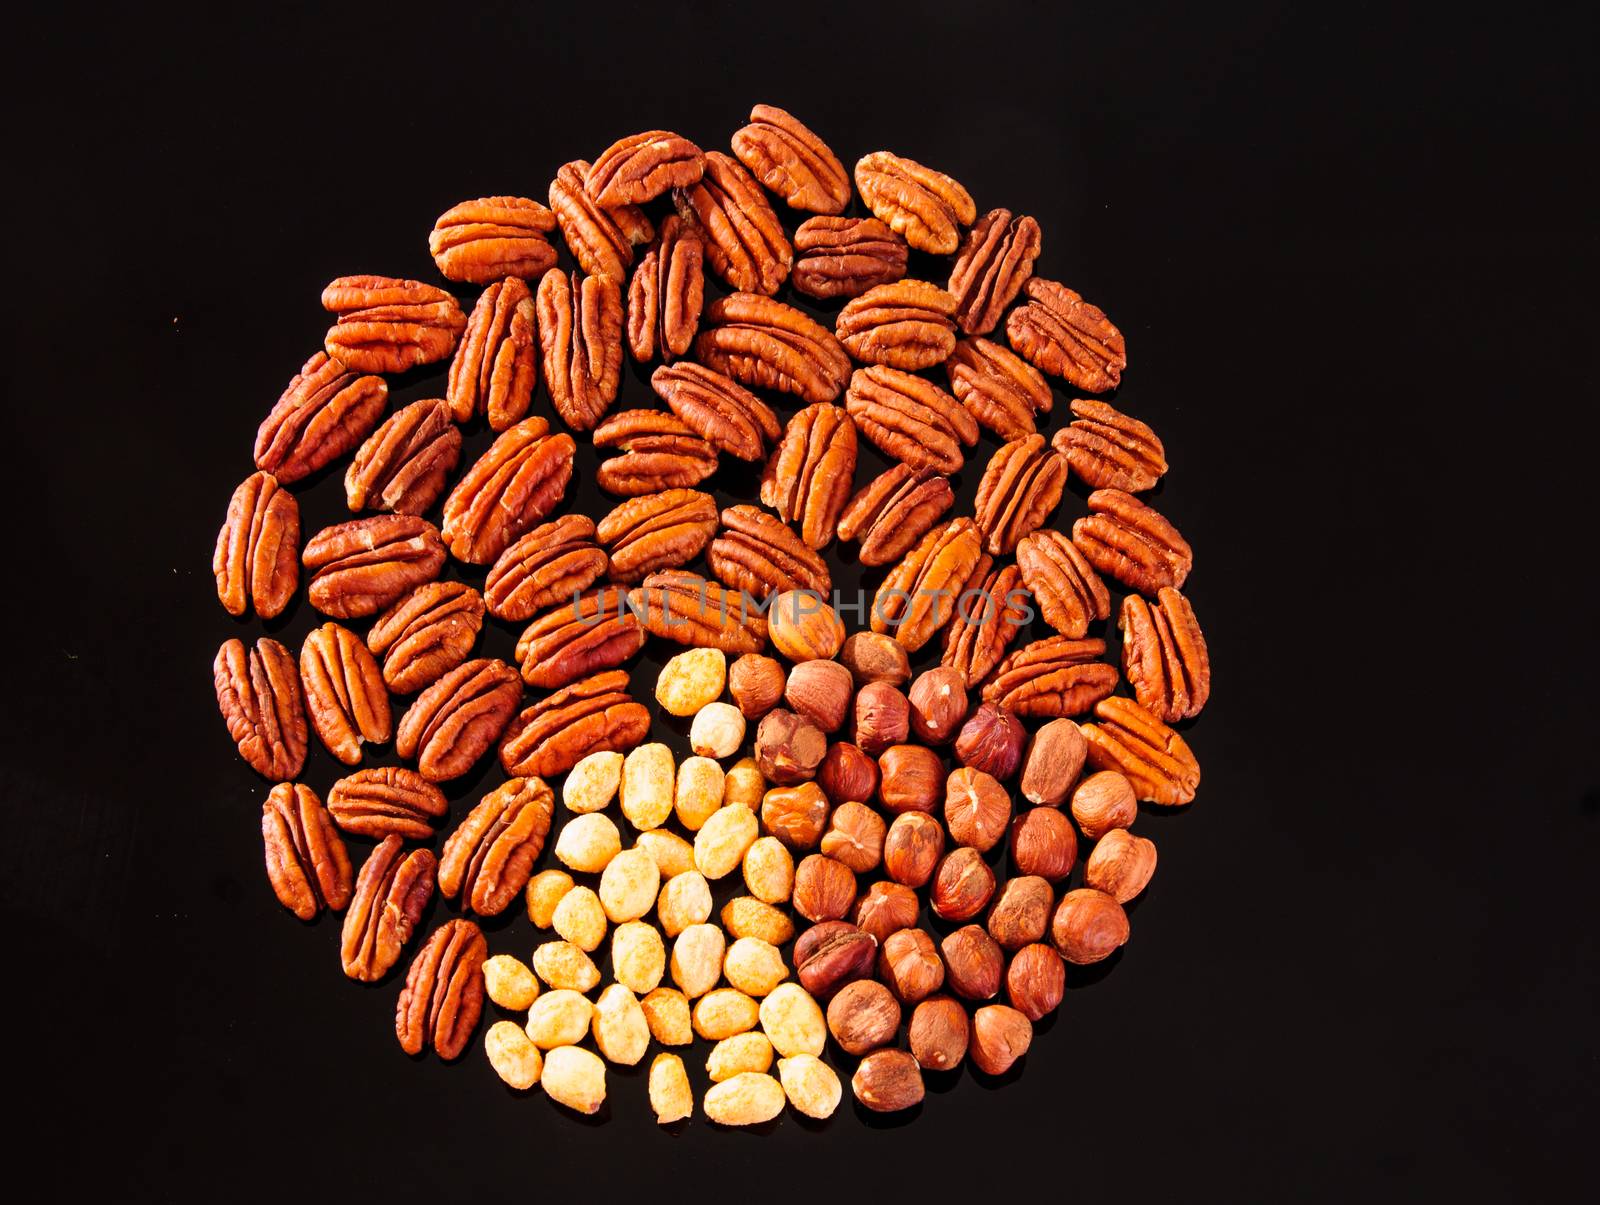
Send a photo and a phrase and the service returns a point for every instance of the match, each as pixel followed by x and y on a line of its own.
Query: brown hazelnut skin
pixel 823 889
pixel 1022 913
pixel 977 808
pixel 789 747
pixel 991 740
pixel 1120 864
pixel 756 684
pixel 912 848
pixel 973 963
pixel 910 964
pixel 846 773
pixel 1088 926
pixel 1000 1036
pixel 1035 981
pixel 888 1081
pixel 938 701
pixel 1052 763
pixel 874 657
pixel 939 1033
pixel 831 954
pixel 795 815
pixel 803 627
pixel 1043 843
pixel 910 778
pixel 886 908
pixel 1102 802
pixel 863 1016
pixel 883 717
pixel 963 885
pixel 854 836
pixel 820 691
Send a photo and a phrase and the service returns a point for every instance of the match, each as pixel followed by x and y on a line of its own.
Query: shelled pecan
pixel 666 293
pixel 554 561
pixel 761 555
pixel 344 692
pixel 910 419
pixel 685 607
pixel 389 325
pixel 1061 333
pixel 763 343
pixel 1132 542
pixel 497 365
pixel 919 596
pixel 909 324
pixel 1056 676
pixel 457 720
pixel 994 262
pixel 258 693
pixel 893 511
pixel 489 857
pixel 809 475
pixel 999 388
pixel 1110 450
pixel 1020 489
pixel 491 238
pixel 383 800
pixel 580 334
pixel 1069 591
pixel 579 637
pixel 359 567
pixel 443 996
pixel 510 488
pixel 786 156
pixel 558 732
pixel 392 891
pixel 1164 656
pixel 1151 756
pixel 659 452
pixel 641 167
pixel 324 412
pixel 403 466
pixel 257 561
pixel 844 257
pixel 989 617
pixel 307 864
pixel 718 409
pixel 925 207
pixel 743 238
pixel 657 531
pixel 425 634
pixel 601 238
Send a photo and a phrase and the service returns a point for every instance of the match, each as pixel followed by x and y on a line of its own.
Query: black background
pixel 1353 256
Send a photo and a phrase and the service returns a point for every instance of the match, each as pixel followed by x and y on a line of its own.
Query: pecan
pixel 1067 337
pixel 306 860
pixel 455 721
pixel 257 560
pixel 513 485
pixel 1056 676
pixel 553 561
pixel 764 343
pixel 391 893
pixel 666 293
pixel 580 334
pixel 793 162
pixel 1069 591
pixel 404 463
pixel 601 238
pixel 489 857
pixel 844 257
pixel 380 801
pixel 497 364
pixel 743 238
pixel 443 996
pixel 389 325
pixel 258 693
pixel 908 324
pixel 1151 756
pixel 641 167
pixel 994 262
pixel 485 240
pixel 1164 656
pixel 989 616
pixel 685 607
pixel 587 717
pixel 893 511
pixel 760 555
pixel 659 452
pixel 925 207
pixel 719 410
pixel 578 638
pixel 429 631
pixel 359 567
pixel 1110 450
pixel 657 531
pixel 919 595
pixel 344 692
pixel 325 411
pixel 910 419
pixel 1132 542
pixel 808 477
pixel 999 388
pixel 1020 489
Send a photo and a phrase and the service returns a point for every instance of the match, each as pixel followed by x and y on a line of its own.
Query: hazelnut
pixel 1120 864
pixel 863 1016
pixel 911 778
pixel 1022 913
pixel 912 847
pixel 823 888
pixel 1053 762
pixel 973 963
pixel 1035 981
pixel 991 740
pixel 854 836
pixel 1043 843
pixel 963 885
pixel 1089 925
pixel 885 908
pixel 803 627
pixel 938 701
pixel 788 747
pixel 743 784
pixel 883 717
pixel 832 954
pixel 938 1033
pixel 756 684
pixel 888 1081
pixel 910 965
pixel 1102 802
pixel 746 916
pixel 976 808
pixel 717 730
pixel 1000 1036
pixel 820 691
pixel 874 657
pixel 846 773
pixel 769 870
pixel 795 815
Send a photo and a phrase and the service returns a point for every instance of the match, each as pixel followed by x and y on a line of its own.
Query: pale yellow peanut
pixel 685 900
pixel 647 776
pixel 697 959
pixel 638 956
pixel 559 1018
pixel 717 731
pixel 723 1012
pixel 672 853
pixel 666 1011
pixel 746 916
pixel 575 1077
pixel 769 870
pixel 510 983
pixel 793 1021
pixel 698 793
pixel 754 966
pixel 810 1084
pixel 562 964
pixel 750 1051
pixel 512 1054
pixel 581 919
pixel 592 784
pixel 588 843
pixel 720 844
pixel 620 1029
pixel 743 784
pixel 747 1099
pixel 545 892
pixel 629 884
pixel 671 1098
pixel 690 680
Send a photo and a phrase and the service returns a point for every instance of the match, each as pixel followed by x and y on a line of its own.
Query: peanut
pixel 587 843
pixel 699 791
pixel 563 965
pixel 666 1010
pixel 638 957
pixel 670 1095
pixel 747 1099
pixel 685 900
pixel 559 1018
pixel 810 1084
pixel 581 919
pixel 629 884
pixel 592 784
pixel 510 983
pixel 717 731
pixel 620 1029
pixel 721 843
pixel 576 1078
pixel 723 1012
pixel 647 774
pixel 544 892
pixel 672 853
pixel 769 870
pixel 754 966
pixel 691 680
pixel 512 1054
pixel 745 916
pixel 793 1021
pixel 743 784
pixel 743 1052
pixel 697 959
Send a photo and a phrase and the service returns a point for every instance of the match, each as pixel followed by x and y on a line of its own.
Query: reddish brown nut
pixel 1053 762
pixel 1022 913
pixel 912 847
pixel 911 778
pixel 1000 1036
pixel 1035 981
pixel 307 863
pixel 874 657
pixel 1043 843
pixel 641 167
pixel 938 701
pixel 803 627
pixel 888 1081
pixel 854 836
pixel 257 560
pixel 1088 926
pixel 824 889
pixel 756 684
pixel 938 1033
pixel 977 808
pixel 789 748
pixel 886 909
pixel 829 955
pixel 443 996
pixel 846 774
pixel 795 815
pixel 1102 802
pixel 1120 864
pixel 963 885
pixel 991 740
pixel 883 717
pixel 863 1016
pixel 820 691
pixel 910 964
pixel 973 963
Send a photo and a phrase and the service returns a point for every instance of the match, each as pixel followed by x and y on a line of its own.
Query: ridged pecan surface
pixel 497 364
pixel 919 596
pixel 844 257
pixel 426 633
pixel 601 238
pixel 577 638
pixel 657 531
pixel 1020 489
pixel 994 262
pixel 359 567
pixel 744 240
pixel 759 554
pixel 659 452
pixel 258 693
pixel 404 464
pixel 1110 450
pixel 910 419
pixel 666 294
pixel 1067 337
pixel 458 719
pixel 989 617
pixel 306 860
pixel 551 564
pixel 344 692
pixel 1132 542
pixel 1164 656
pixel 389 325
pixel 580 335
pixel 893 511
pixel 763 343
pixel 808 477
pixel 510 488
pixel 999 388
pixel 325 411
pixel 925 207
pixel 687 608
pixel 487 860
pixel 392 891
pixel 1069 592
pixel 558 732
pixel 1053 677
pixel 491 238
pixel 909 324
pixel 257 561
pixel 784 154
pixel 718 409
pixel 641 167
pixel 384 800
pixel 443 996
pixel 1151 756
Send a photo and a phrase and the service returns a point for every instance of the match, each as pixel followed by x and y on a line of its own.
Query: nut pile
pixel 898 853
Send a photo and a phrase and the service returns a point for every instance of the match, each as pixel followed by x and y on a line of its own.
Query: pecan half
pixel 510 488
pixel 580 334
pixel 306 860
pixel 908 324
pixel 666 294
pixel 1020 489
pixel 554 561
pixel 497 364
pixel 681 606
pixel 999 388
pixel 257 561
pixel 1132 542
pixel 925 207
pixel 601 238
pixel 443 996
pixel 1069 591
pixel 844 257
pixel 641 167
pixel 391 893
pixel 489 857
pixel 258 693
pixel 359 567
pixel 1054 677
pixel 910 419
pixel 893 511
pixel 919 595
pixel 718 409
pixel 793 162
pixel 764 343
pixel 389 325
pixel 989 616
pixel 1151 756
pixel 325 411
pixel 1110 450
pixel 457 719
pixel 808 477
pixel 1067 337
pixel 491 238
pixel 659 452
pixel 760 555
pixel 994 262
pixel 384 800
pixel 587 717
pixel 404 463
pixel 344 692
pixel 657 531
pixel 428 632
pixel 578 638
pixel 1164 656
pixel 743 238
